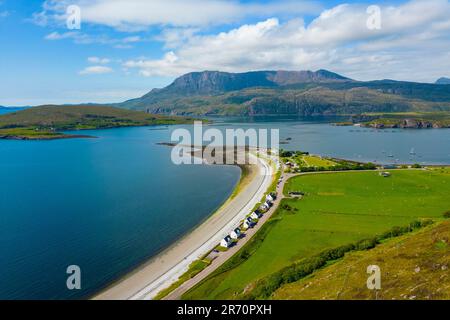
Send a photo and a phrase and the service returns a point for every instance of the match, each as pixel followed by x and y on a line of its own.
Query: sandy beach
pixel 168 266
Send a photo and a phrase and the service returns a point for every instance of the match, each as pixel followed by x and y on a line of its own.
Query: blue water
pixel 103 204
pixel 9 110
pixel 316 135
pixel 109 204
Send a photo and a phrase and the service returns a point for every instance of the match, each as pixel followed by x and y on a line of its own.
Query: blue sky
pixel 127 47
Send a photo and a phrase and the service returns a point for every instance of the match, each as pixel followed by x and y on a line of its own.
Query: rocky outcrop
pixel 406 124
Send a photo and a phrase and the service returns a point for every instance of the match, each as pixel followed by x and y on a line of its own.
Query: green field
pixel 314 161
pixel 338 209
pixel 306 160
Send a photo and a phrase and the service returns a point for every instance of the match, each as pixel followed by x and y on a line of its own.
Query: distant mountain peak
pixel 213 82
pixel 443 80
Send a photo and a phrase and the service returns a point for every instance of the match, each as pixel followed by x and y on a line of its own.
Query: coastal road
pixel 168 266
pixel 224 256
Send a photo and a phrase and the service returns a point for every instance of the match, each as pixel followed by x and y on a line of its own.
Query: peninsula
pixel 401 120
pixel 49 122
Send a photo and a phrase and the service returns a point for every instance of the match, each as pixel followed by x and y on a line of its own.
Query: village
pixel 249 222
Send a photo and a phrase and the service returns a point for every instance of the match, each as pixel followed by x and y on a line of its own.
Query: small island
pixel 400 120
pixel 50 122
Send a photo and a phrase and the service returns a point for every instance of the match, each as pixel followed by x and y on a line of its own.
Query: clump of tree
pixel 341 166
pixel 447 214
pixel 288 208
pixel 288 154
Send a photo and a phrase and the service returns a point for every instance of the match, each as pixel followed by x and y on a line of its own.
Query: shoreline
pixel 160 271
pixel 49 138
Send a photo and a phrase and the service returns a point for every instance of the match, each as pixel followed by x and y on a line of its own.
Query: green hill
pixel 414 266
pixel 45 122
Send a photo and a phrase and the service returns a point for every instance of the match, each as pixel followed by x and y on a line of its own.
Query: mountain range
pixel 443 80
pixel 288 92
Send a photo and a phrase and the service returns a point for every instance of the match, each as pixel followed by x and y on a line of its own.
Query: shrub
pixel 287 207
pixel 366 244
pixel 447 214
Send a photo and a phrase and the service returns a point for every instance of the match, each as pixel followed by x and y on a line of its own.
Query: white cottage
pixel 248 223
pixel 254 216
pixel 235 234
pixel 226 242
pixel 264 207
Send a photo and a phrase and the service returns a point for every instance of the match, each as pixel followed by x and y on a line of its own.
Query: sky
pixel 77 51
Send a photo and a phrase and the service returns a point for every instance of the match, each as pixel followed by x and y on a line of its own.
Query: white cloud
pixel 96 70
pixel 175 37
pixel 59 36
pixel 131 39
pixel 135 15
pixel 83 38
pixel 338 39
pixel 97 60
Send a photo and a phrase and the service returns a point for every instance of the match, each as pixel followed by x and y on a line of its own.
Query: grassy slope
pixel 398 260
pixel 45 121
pixel 339 208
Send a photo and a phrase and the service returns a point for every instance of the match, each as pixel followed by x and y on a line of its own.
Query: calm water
pixel 109 204
pixel 316 135
pixel 104 204
pixel 9 110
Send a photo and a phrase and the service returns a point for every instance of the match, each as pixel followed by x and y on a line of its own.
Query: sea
pixel 109 204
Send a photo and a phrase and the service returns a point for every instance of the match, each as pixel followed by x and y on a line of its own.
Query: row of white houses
pixel 249 222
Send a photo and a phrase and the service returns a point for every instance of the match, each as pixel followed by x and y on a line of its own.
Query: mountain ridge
pixel 443 80
pixel 303 93
pixel 209 83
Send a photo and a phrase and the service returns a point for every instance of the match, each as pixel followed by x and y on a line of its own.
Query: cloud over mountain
pixel 338 39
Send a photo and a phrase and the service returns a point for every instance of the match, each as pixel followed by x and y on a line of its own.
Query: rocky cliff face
pixel 210 83
pixel 213 82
